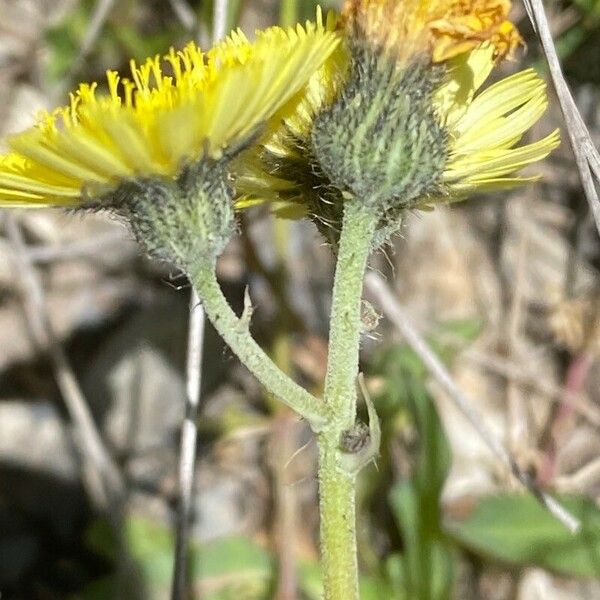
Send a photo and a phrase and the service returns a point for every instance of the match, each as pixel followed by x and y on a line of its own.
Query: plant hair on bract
pixel 381 141
pixel 178 220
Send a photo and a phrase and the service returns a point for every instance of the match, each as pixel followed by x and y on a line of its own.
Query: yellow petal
pixel 153 123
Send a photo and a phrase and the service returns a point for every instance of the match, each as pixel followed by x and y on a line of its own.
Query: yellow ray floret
pixel 484 128
pixel 442 28
pixel 173 109
pixel 294 121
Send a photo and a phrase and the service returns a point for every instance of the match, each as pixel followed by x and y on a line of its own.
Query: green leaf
pixel 398 361
pixel 376 588
pixel 395 570
pixel 232 568
pixel 100 538
pixel 516 529
pixel 151 546
pixel 101 589
pixel 405 505
pixel 224 569
pixel 311 584
pixel 64 42
pixel 426 568
pixel 588 6
pixel 149 551
pixel 434 449
pixel 428 561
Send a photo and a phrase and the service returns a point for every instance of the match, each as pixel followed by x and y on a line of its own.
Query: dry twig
pixel 220 19
pixel 81 248
pixel 516 407
pixel 525 378
pixel 189 20
pixel 586 154
pixel 189 433
pixel 101 475
pixel 185 14
pixel 187 451
pixel 392 309
pixel 583 479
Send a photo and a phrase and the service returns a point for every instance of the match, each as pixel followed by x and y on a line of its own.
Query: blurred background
pixel 505 288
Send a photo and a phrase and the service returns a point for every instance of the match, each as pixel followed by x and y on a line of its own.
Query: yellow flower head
pixel 169 112
pixel 396 116
pixel 441 28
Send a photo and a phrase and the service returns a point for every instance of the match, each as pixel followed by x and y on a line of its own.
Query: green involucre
pixel 381 139
pixel 183 221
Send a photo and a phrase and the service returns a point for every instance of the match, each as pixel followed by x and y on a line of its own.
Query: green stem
pixel 338 523
pixel 236 334
pixel 356 238
pixel 336 484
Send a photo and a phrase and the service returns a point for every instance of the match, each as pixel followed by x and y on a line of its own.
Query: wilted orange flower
pixel 443 28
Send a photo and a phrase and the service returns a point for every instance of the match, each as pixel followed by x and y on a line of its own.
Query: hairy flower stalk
pixel 393 121
pixel 337 477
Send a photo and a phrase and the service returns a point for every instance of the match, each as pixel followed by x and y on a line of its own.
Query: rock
pixel 136 385
pixel 51 452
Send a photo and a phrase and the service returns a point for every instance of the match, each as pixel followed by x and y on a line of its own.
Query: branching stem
pixel 332 418
pixel 236 334
pixel 336 483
